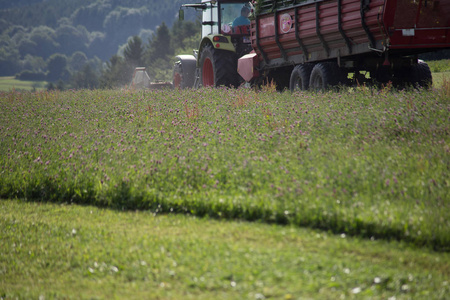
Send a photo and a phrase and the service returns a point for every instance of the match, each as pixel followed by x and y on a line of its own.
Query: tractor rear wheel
pixel 218 67
pixel 300 77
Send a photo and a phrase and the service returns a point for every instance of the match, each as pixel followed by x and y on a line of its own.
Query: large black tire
pixel 326 75
pixel 218 67
pixel 421 75
pixel 417 75
pixel 300 75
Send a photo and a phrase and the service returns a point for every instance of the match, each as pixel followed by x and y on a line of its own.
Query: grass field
pixel 440 78
pixel 362 165
pixel 9 83
pixel 364 162
pixel 65 251
pixel 441 72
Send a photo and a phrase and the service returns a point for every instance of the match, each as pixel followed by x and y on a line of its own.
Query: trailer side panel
pixel 313 31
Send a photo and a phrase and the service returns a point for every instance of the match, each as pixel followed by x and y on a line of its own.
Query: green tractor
pixel 225 38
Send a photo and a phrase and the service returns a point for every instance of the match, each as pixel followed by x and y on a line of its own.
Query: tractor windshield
pixel 234 18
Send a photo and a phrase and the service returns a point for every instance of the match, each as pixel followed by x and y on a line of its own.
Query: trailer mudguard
pixel 248 66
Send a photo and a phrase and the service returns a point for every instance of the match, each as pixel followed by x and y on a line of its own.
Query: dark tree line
pixel 77 71
pixel 32 31
pixel 156 56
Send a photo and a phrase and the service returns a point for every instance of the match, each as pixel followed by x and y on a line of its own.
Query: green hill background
pixel 81 30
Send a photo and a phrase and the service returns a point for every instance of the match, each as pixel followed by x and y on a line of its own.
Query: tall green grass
pixel 442 65
pixel 441 73
pixel 367 162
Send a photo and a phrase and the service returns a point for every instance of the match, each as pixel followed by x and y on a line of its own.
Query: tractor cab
pixel 234 18
pixel 227 17
pixel 225 38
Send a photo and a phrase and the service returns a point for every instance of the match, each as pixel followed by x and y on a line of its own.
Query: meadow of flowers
pixel 366 162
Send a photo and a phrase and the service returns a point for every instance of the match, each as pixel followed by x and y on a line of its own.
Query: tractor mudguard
pixel 218 41
pixel 184 71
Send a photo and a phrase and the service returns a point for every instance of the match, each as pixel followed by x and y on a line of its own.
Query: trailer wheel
pixel 300 77
pixel 421 75
pixel 218 67
pixel 184 72
pixel 325 75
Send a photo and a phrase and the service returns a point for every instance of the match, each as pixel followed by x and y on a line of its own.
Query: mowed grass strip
pixel 9 83
pixel 84 252
pixel 366 162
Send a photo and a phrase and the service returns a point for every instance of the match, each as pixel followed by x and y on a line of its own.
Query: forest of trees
pixel 92 43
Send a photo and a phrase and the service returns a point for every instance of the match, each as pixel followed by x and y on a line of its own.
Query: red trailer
pixel 318 43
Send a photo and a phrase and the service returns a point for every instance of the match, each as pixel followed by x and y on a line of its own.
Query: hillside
pixel 33 30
